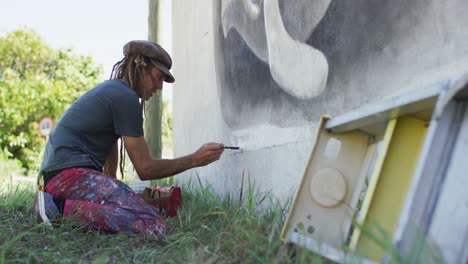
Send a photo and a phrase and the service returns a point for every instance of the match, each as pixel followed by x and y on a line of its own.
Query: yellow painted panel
pixel 384 146
pixel 392 185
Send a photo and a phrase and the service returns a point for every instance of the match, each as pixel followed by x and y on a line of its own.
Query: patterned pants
pixel 96 201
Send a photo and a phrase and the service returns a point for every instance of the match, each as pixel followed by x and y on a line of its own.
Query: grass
pixel 208 229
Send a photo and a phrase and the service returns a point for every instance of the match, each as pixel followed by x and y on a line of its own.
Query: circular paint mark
pixel 328 187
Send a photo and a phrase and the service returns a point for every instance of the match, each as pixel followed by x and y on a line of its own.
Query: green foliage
pixel 35 81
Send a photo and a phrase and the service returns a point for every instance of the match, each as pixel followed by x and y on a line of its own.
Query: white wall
pixel 226 89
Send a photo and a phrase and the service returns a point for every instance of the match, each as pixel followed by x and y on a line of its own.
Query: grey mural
pixel 288 62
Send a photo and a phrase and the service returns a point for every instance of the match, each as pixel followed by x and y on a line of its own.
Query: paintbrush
pixel 226 147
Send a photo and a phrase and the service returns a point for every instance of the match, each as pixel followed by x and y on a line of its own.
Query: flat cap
pixel 158 56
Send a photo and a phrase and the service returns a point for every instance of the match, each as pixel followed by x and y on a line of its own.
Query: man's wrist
pixel 192 161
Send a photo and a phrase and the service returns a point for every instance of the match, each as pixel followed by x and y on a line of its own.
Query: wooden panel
pixel 336 156
pixel 449 229
pixel 416 217
pixel 365 117
pixel 393 183
pixel 374 179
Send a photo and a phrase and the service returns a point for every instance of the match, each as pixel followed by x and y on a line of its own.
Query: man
pixel 80 160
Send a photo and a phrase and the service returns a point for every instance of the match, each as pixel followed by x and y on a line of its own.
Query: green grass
pixel 208 229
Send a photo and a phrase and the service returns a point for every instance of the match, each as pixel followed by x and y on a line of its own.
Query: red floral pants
pixel 96 201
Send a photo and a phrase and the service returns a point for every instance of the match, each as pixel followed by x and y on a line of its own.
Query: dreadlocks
pixel 131 70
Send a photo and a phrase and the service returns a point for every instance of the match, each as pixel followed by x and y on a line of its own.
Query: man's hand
pixel 207 153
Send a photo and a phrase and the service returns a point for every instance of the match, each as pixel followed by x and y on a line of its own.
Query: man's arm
pixel 150 169
pixel 110 167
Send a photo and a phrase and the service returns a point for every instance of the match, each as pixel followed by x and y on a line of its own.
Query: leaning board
pixel 327 198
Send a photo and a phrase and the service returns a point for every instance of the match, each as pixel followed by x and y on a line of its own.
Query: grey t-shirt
pixel 85 134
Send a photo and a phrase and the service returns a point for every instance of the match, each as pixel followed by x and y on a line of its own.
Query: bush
pixel 35 81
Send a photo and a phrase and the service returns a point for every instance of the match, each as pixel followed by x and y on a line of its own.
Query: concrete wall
pixel 259 74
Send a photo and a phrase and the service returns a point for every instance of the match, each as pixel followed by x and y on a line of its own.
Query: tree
pixel 154 106
pixel 36 80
